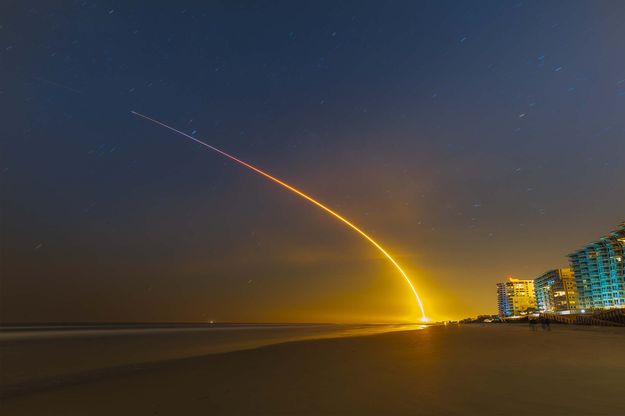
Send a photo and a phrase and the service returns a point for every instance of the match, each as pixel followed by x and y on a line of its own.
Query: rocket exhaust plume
pixel 306 197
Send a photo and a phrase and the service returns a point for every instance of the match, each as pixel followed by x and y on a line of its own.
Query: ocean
pixel 32 356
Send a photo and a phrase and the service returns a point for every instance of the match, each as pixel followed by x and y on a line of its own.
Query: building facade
pixel 599 270
pixel 515 297
pixel 556 291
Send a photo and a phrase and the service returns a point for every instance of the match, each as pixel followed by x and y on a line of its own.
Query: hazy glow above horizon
pixel 470 149
pixel 307 197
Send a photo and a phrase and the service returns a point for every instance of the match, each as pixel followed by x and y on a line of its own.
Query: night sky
pixel 473 139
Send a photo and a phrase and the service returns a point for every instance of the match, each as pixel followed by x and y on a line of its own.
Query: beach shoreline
pixel 467 369
pixel 83 353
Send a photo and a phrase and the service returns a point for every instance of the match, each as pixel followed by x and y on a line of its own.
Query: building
pixel 556 291
pixel 516 297
pixel 599 270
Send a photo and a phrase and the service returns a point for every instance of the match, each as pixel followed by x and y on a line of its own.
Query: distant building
pixel 516 297
pixel 599 270
pixel 556 291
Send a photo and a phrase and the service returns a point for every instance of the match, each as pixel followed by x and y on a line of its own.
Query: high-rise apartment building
pixel 556 291
pixel 515 297
pixel 599 270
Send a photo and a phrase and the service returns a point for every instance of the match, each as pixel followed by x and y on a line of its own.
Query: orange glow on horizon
pixel 309 199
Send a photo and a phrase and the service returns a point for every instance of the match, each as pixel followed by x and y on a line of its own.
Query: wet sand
pixel 466 370
pixel 34 359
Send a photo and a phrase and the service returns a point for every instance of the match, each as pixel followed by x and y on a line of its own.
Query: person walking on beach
pixel 545 323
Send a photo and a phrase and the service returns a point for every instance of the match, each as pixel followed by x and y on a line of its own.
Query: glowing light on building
pixel 515 298
pixel 556 291
pixel 599 272
pixel 309 199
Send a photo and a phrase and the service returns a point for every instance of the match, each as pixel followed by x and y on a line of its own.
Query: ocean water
pixel 50 354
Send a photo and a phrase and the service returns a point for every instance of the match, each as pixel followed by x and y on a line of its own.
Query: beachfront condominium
pixel 515 297
pixel 599 270
pixel 556 291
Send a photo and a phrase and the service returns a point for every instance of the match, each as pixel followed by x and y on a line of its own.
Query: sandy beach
pixel 453 370
pixel 84 352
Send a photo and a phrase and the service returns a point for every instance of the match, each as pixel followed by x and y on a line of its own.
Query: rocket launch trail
pixel 306 197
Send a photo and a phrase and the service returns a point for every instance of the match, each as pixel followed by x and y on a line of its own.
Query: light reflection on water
pixel 34 353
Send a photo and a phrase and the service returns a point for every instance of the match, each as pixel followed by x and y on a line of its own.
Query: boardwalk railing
pixel 611 317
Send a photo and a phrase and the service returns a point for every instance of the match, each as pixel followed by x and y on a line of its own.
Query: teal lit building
pixel 599 271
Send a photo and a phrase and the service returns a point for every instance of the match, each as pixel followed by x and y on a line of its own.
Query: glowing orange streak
pixel 306 197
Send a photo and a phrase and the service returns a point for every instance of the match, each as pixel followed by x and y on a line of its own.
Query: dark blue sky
pixel 475 139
